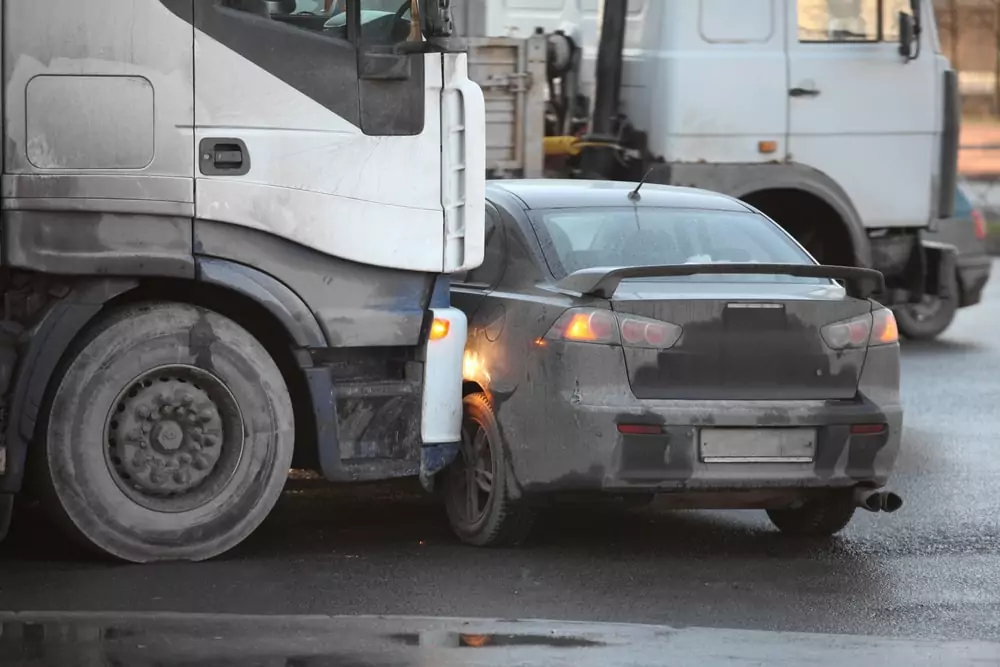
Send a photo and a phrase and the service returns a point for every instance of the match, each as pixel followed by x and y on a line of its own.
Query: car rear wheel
pixel 479 508
pixel 821 517
pixel 168 437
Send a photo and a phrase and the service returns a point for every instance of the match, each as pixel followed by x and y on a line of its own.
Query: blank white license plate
pixel 758 445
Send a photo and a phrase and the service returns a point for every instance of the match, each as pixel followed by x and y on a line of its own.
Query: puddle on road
pixel 465 640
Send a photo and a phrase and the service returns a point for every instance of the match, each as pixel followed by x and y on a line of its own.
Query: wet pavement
pixel 931 570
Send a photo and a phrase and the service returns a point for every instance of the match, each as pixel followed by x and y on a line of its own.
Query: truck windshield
pixel 575 239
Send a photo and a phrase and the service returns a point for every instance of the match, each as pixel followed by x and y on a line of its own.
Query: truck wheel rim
pixel 174 438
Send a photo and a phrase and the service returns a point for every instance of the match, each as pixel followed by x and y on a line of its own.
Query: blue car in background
pixel 966 230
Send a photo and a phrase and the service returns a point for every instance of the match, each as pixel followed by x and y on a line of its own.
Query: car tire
pixel 815 518
pixel 168 436
pixel 480 516
pixel 928 319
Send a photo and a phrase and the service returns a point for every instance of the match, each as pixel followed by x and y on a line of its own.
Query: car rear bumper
pixel 602 458
pixel 572 441
pixel 973 274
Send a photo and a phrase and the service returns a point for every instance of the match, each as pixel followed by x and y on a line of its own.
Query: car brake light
pixel 980 223
pixel 884 330
pixel 849 334
pixel 586 325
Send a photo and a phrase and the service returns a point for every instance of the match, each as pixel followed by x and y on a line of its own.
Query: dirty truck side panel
pixel 97 119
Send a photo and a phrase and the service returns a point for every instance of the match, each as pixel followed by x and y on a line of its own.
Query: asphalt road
pixel 931 570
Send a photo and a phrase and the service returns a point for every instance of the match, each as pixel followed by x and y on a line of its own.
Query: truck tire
pixel 926 320
pixel 168 436
pixel 929 318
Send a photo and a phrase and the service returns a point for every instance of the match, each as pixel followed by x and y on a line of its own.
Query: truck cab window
pixel 838 20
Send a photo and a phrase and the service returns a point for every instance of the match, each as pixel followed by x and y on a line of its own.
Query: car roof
pixel 571 193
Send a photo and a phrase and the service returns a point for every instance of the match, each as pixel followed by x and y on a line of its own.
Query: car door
pixel 858 111
pixel 293 122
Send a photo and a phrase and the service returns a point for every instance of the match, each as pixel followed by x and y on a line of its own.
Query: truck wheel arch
pixel 265 306
pixel 819 191
pixel 827 228
pixel 763 185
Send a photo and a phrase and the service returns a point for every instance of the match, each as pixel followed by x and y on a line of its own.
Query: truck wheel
pixel 479 509
pixel 929 318
pixel 168 437
pixel 926 320
pixel 816 518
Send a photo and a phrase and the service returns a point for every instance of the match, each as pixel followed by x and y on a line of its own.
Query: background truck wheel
pixel 929 318
pixel 169 435
pixel 479 508
pixel 926 320
pixel 816 518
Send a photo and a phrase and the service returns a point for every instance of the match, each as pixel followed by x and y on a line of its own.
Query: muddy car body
pixel 608 353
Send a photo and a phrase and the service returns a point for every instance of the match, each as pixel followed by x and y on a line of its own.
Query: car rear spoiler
pixel 603 281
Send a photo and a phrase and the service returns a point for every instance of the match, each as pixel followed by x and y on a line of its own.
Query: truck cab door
pixel 859 112
pixel 310 128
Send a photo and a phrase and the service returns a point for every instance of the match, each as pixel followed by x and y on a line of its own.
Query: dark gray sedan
pixel 674 342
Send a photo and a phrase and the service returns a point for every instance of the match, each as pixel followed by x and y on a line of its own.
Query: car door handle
pixel 803 92
pixel 223 157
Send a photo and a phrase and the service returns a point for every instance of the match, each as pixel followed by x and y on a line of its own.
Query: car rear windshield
pixel 573 239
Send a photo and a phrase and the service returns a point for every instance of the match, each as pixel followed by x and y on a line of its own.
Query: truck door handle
pixel 223 157
pixel 803 92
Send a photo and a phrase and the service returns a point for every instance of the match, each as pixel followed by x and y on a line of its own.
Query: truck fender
pixel 284 304
pixel 47 342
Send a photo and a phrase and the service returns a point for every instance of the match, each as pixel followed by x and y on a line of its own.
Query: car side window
pixel 488 273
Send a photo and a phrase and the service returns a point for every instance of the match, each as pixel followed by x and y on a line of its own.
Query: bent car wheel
pixel 479 508
pixel 168 437
pixel 816 518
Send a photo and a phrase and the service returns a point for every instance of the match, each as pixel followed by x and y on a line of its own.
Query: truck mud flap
pixel 941 264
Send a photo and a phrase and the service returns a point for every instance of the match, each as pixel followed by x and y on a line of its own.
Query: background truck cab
pixel 837 118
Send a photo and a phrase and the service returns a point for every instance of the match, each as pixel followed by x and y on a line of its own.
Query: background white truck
pixel 225 237
pixel 838 118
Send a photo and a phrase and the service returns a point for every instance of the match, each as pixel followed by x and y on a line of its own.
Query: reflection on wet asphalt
pixel 931 569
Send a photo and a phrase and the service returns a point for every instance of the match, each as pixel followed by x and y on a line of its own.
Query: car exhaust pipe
pixel 877 501
pixel 868 499
pixel 890 501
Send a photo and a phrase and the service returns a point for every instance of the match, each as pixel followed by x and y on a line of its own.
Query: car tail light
pixel 586 325
pixel 980 223
pixel 849 334
pixel 877 328
pixel 647 333
pixel 884 330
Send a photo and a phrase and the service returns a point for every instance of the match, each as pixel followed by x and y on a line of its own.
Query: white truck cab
pixel 227 229
pixel 811 110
